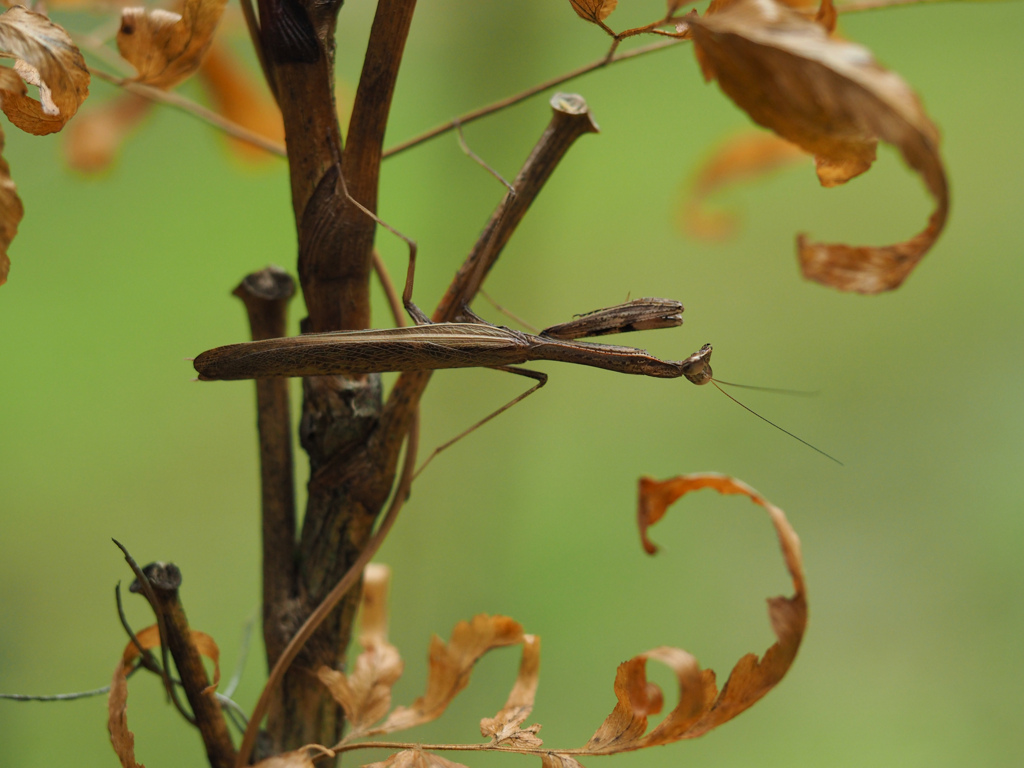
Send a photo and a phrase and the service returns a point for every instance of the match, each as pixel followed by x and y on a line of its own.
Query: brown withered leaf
pixel 97 134
pixel 555 760
pixel 594 11
pixel 121 738
pixel 825 13
pixel 414 758
pixel 300 758
pixel 46 58
pixel 831 98
pixel 11 211
pixel 450 666
pixel 504 728
pixel 166 47
pixel 365 695
pixel 700 706
pixel 744 157
pixel 625 727
pixel 827 16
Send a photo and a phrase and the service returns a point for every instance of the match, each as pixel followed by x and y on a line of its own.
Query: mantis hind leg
pixel 540 378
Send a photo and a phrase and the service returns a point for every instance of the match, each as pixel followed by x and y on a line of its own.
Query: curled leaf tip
pixel 833 99
pixel 701 706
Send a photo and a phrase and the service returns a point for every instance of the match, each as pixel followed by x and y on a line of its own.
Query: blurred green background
pixel 913 549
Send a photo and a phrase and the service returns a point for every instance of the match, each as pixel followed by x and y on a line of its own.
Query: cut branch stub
pixel 831 98
pixel 266 295
pixel 187 648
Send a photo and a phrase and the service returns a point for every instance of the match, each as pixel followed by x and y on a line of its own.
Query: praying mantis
pixel 474 343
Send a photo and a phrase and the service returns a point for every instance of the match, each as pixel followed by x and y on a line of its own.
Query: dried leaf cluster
pixel 46 58
pixel 781 62
pixel 164 47
pixel 785 67
pixel 365 693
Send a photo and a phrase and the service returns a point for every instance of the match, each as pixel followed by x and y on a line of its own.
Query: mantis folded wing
pixel 459 345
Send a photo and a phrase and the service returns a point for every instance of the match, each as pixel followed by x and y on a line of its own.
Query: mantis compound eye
pixel 697 367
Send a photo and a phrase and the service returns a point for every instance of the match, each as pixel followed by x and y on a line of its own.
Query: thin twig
pixel 173 99
pixel 524 95
pixel 56 696
pixel 243 654
pixel 65 696
pixel 334 597
pixel 233 711
pixel 146 658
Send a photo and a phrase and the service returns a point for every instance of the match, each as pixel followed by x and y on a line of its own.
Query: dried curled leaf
pixel 742 158
pixel 46 58
pixel 365 695
pixel 594 11
pixel 97 134
pixel 751 678
pixel 300 758
pixel 503 729
pixel 555 760
pixel 414 758
pixel 624 728
pixel 700 707
pixel 165 47
pixel 11 211
pixel 831 98
pixel 450 667
pixel 121 738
